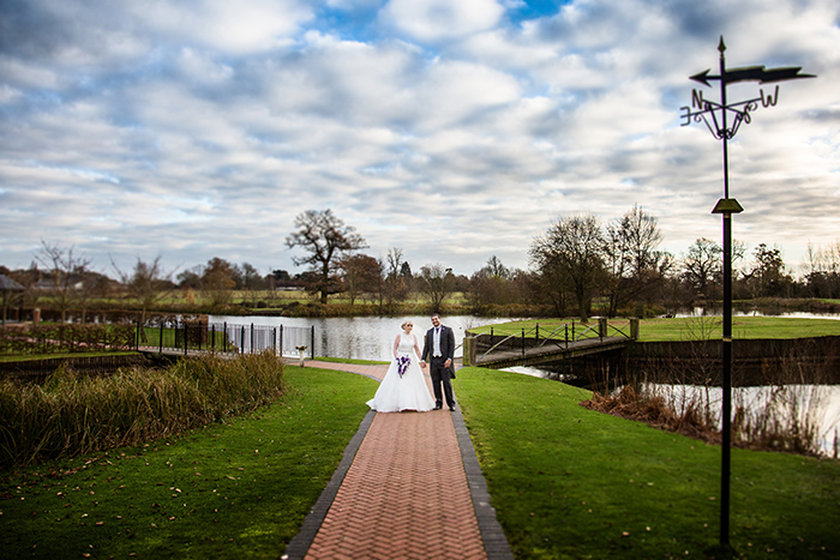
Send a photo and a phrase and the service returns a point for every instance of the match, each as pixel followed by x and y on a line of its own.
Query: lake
pixel 363 338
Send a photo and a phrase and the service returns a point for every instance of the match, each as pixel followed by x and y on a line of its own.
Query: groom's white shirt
pixel 436 342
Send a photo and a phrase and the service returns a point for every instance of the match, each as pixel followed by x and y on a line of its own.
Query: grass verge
pixel 568 482
pixel 350 361
pixel 240 489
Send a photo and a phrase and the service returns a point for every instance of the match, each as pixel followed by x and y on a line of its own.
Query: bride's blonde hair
pixel 405 324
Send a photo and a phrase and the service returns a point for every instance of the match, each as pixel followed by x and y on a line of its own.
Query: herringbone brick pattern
pixel 405 495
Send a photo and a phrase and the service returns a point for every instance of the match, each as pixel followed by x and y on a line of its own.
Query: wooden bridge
pixel 528 348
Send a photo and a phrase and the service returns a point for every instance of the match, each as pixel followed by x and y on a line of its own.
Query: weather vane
pixel 714 114
pixel 716 118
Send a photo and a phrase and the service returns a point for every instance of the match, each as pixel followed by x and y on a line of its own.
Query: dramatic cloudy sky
pixel 451 129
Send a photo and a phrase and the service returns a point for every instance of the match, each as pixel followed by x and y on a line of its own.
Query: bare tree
pixel 437 283
pixel 634 264
pixel 570 253
pixel 66 275
pixel 217 281
pixel 496 269
pixel 147 283
pixel 823 276
pixel 361 274
pixel 767 277
pixel 492 284
pixel 702 266
pixel 326 238
pixel 396 283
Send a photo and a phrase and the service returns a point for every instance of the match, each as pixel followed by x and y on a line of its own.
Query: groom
pixel 439 347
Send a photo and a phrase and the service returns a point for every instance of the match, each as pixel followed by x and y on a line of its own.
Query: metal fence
pixel 197 336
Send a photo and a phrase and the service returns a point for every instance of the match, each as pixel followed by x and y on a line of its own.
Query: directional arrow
pixel 753 74
pixel 703 77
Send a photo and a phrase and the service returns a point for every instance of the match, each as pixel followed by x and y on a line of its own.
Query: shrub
pixel 71 414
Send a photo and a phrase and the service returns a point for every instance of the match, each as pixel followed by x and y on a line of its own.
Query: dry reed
pixel 70 414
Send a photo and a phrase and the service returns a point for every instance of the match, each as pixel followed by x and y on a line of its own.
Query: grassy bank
pixel 568 482
pixel 235 490
pixel 684 328
pixel 71 413
pixel 293 304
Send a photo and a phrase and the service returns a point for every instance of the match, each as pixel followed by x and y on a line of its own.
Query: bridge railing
pixel 478 347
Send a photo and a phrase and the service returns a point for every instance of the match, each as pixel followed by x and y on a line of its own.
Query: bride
pixel 403 387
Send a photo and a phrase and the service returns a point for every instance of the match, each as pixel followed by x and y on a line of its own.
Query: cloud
pixel 195 130
pixel 241 27
pixel 440 20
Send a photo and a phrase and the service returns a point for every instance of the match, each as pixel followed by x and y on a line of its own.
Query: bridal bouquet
pixel 402 364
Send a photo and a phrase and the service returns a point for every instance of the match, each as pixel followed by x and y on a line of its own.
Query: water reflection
pixel 792 407
pixel 364 338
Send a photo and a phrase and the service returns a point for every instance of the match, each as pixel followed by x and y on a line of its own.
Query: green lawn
pixel 742 327
pixel 236 490
pixel 688 328
pixel 568 482
pixel 351 361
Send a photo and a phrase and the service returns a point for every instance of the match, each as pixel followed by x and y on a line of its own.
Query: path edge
pixel 299 545
pixel 495 543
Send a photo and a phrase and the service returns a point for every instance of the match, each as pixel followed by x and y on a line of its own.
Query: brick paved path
pixel 407 488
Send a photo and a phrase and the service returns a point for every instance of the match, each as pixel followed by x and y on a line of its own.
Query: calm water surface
pixel 364 338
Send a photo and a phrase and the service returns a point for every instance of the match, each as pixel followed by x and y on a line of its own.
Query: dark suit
pixel 440 374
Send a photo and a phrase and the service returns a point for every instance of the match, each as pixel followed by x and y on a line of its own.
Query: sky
pixel 452 130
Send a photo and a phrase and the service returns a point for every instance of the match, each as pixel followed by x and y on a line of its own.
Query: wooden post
pixel 467 349
pixel 634 328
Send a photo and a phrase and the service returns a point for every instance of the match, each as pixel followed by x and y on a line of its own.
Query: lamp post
pixel 716 118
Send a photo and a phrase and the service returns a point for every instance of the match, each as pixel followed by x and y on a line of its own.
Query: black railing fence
pixel 199 336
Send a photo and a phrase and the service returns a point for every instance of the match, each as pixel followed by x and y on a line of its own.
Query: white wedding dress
pixel 406 392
